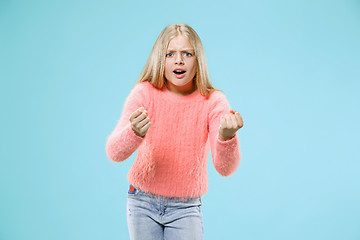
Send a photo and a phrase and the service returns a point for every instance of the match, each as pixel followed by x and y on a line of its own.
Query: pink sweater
pixel 172 157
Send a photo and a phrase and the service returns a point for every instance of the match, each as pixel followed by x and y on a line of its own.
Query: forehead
pixel 180 42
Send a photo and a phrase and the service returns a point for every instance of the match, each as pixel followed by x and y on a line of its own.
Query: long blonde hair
pixel 153 71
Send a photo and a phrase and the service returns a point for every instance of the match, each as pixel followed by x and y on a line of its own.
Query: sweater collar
pixel 195 95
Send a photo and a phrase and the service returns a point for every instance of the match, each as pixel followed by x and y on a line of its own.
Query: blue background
pixel 291 68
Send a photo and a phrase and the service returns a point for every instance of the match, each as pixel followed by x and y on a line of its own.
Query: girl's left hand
pixel 229 124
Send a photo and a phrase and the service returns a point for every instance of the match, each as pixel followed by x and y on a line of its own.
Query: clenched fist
pixel 140 123
pixel 229 124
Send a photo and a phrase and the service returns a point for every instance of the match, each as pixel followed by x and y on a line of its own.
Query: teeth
pixel 178 71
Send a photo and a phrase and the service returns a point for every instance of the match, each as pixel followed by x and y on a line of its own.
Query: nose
pixel 179 60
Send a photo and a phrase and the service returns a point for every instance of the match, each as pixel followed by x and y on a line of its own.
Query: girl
pixel 173 116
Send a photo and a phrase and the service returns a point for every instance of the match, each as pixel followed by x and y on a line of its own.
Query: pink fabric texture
pixel 172 157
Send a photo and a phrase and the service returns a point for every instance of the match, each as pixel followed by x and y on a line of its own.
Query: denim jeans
pixel 161 218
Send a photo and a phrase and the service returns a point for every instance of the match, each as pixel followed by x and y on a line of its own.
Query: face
pixel 180 65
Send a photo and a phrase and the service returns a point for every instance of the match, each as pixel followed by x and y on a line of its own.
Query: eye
pixel 188 54
pixel 169 55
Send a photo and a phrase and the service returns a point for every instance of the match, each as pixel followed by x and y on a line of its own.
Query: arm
pixel 225 152
pixel 122 142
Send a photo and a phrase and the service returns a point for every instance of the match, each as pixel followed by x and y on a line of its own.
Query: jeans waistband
pixel 135 190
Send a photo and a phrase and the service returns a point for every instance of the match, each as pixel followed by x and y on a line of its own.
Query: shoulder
pixel 218 103
pixel 140 89
pixel 142 86
pixel 217 97
pixel 138 93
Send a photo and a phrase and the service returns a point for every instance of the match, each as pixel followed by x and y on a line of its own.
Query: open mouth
pixel 178 72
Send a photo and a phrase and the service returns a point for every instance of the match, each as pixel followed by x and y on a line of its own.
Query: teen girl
pixel 173 116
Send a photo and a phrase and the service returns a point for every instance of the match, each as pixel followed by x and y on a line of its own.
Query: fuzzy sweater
pixel 172 157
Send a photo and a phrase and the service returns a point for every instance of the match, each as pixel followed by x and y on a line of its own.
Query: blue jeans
pixel 161 218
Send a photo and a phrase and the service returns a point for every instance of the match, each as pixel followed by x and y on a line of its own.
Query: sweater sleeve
pixel 122 142
pixel 225 154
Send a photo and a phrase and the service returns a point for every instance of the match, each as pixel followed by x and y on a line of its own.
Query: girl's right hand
pixel 140 123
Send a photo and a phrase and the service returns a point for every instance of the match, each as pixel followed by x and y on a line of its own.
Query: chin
pixel 179 82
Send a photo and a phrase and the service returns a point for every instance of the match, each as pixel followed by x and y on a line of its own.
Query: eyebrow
pixel 182 50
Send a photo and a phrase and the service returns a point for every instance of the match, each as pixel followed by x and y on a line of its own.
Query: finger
pixel 136 113
pixel 228 121
pixel 237 116
pixel 239 119
pixel 141 117
pixel 146 127
pixel 143 122
pixel 233 121
pixel 222 122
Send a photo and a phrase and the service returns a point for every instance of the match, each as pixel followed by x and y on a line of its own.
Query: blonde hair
pixel 154 69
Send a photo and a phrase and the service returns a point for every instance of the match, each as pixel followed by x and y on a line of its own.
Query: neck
pixel 183 91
